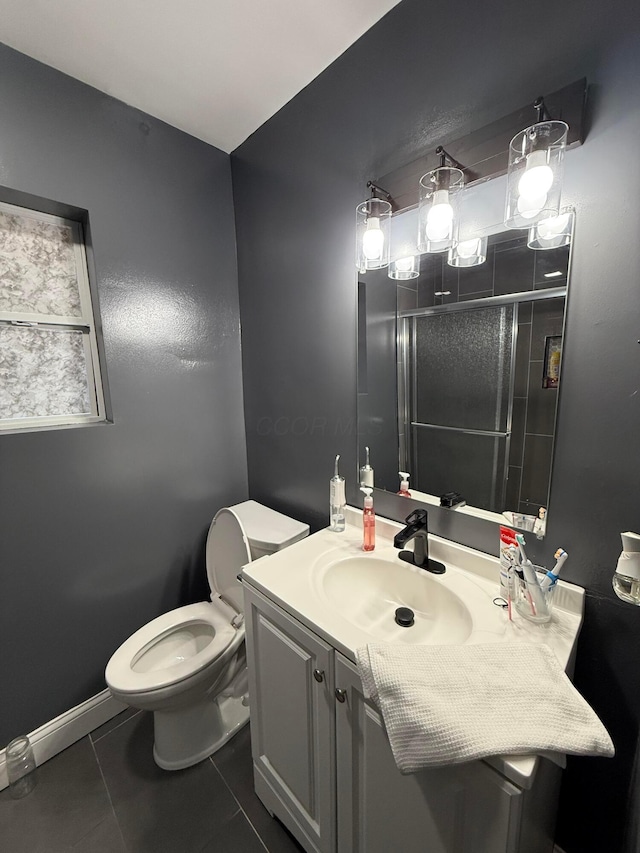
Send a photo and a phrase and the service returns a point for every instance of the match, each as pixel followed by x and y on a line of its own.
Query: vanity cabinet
pixel 323 764
pixel 291 692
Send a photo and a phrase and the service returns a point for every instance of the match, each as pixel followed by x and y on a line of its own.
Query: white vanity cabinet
pixel 324 767
pixel 291 692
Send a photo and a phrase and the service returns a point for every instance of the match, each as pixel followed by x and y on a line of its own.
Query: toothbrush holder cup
pixel 533 602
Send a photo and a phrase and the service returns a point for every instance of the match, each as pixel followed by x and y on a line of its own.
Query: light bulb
pixel 404 264
pixel 530 206
pixel 469 248
pixel 554 227
pixel 372 239
pixel 537 179
pixel 440 217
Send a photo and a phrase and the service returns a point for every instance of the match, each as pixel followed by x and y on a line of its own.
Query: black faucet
pixel 417 529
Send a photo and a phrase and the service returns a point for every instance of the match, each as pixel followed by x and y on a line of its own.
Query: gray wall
pixel 102 528
pixel 409 84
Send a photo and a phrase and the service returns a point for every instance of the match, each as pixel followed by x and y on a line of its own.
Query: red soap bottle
pixel 368 521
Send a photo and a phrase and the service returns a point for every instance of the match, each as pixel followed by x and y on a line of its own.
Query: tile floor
pixel 105 794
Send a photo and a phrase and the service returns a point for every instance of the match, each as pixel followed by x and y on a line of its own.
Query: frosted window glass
pixel 43 373
pixel 38 271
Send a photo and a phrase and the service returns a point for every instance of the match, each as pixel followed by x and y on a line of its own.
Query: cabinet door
pixel 459 809
pixel 292 722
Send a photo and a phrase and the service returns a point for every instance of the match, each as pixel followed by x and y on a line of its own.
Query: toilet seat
pixel 172 648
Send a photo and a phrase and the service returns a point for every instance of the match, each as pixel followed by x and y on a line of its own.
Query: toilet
pixel 188 666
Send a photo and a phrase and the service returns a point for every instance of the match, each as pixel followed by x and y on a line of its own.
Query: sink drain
pixel 405 617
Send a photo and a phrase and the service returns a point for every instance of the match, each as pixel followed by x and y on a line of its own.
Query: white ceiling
pixel 217 69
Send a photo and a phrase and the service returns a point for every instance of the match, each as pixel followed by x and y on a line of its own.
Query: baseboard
pixel 557 849
pixel 58 734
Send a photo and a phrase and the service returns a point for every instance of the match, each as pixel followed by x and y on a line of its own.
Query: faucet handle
pixel 418 516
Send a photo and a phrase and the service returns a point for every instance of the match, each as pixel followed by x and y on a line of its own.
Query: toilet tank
pixel 268 531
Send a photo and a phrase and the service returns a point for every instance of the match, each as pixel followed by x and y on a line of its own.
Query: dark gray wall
pixel 409 84
pixel 102 528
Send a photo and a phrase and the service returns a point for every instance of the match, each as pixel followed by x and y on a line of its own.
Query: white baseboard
pixel 58 734
pixel 557 849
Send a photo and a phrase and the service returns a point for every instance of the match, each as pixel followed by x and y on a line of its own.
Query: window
pixel 49 366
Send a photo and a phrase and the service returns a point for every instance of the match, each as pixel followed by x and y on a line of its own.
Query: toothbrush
pixel 551 577
pixel 537 602
pixel 516 571
pixel 514 554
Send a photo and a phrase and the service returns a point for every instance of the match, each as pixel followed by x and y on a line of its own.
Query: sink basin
pixel 367 590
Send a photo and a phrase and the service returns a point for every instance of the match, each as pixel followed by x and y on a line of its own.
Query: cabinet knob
pixel 318 674
pixel 341 695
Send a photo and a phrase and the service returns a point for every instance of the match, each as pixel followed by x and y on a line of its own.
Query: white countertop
pixel 293 579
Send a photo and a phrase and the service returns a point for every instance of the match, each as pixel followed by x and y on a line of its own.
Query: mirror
pixel 459 375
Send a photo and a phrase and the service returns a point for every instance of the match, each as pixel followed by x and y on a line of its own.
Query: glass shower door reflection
pixel 461 369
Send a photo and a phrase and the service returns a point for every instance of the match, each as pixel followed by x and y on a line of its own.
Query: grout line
pixel 115 728
pixel 106 787
pixel 246 817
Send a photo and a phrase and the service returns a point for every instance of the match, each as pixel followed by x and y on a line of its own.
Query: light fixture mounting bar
pixel 486 149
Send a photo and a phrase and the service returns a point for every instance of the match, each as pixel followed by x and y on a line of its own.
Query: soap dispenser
pixel 626 578
pixel 368 521
pixel 366 472
pixel 404 484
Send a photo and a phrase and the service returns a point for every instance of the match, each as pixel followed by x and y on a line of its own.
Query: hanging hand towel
pixel 451 704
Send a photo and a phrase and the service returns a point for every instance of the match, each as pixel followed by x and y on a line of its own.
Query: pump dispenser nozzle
pixel 366 471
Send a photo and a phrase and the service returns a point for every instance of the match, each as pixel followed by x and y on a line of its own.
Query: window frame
pixel 85 323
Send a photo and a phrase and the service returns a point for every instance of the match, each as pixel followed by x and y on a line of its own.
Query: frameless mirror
pixel 459 375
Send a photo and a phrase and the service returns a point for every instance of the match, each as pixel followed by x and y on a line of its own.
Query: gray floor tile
pixel 236 836
pixel 235 764
pixel 105 838
pixel 69 801
pixel 113 723
pixel 159 811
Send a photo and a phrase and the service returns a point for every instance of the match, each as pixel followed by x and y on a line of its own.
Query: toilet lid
pixel 227 552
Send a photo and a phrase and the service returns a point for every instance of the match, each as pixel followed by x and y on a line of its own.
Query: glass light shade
pixel 554 232
pixel 373 220
pixel 404 268
pixel 438 208
pixel 534 180
pixel 468 253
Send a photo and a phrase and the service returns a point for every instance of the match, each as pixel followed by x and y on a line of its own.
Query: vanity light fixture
pixel 534 179
pixel 404 269
pixel 373 219
pixel 440 192
pixel 469 253
pixel 554 232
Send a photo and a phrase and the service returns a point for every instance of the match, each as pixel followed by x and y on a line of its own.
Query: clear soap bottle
pixel 368 521
pixel 337 501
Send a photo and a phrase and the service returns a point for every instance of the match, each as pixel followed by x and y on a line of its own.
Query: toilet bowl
pixel 188 666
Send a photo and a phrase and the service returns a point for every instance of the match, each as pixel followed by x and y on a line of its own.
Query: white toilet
pixel 188 666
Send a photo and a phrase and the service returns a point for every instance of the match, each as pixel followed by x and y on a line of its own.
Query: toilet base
pixel 185 736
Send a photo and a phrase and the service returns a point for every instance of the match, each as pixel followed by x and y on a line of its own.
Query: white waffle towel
pixel 451 704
